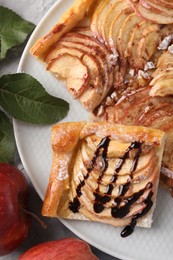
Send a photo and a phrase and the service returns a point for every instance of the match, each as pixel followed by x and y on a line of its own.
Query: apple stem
pixel 43 225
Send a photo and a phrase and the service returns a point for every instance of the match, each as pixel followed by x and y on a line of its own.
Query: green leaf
pixel 24 98
pixel 7 141
pixel 13 30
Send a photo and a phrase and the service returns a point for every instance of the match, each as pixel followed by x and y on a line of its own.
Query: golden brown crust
pixel 74 146
pixel 122 132
pixel 72 16
pixel 64 139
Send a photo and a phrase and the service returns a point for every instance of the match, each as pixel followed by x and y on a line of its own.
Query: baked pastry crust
pixel 70 18
pixel 96 165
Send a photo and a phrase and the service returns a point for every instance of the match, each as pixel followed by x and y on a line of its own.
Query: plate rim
pixel 24 163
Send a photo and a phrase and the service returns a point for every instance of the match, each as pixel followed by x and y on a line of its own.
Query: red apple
pixel 64 249
pixel 14 223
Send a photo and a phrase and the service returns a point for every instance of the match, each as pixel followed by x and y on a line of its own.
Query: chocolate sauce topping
pixel 100 151
pixel 117 210
pixel 103 148
pixel 128 230
pixel 121 211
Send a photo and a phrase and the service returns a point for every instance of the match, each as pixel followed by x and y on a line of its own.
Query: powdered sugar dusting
pixel 113 58
pixel 165 42
pixel 150 65
pixel 143 74
pixel 63 169
pixel 170 49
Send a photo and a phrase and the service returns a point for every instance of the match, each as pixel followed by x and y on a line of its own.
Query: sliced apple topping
pixel 107 19
pixel 163 87
pixel 153 11
pixel 165 60
pixel 143 44
pixel 98 16
pixel 163 3
pixel 162 82
pixel 110 16
pixel 139 108
pixel 72 70
pixel 90 54
pixel 115 27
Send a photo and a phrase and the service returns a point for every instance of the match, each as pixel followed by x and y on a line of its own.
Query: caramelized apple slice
pixel 59 50
pixel 90 99
pixel 97 18
pixel 125 32
pixel 157 8
pixel 109 16
pixel 161 73
pixel 136 106
pixel 167 4
pixel 150 13
pixel 165 59
pixel 95 80
pixel 141 33
pixel 72 70
pixel 113 32
pixel 147 46
pixel 163 87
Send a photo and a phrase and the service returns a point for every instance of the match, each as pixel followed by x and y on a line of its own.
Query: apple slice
pixel 125 32
pixel 165 60
pixel 138 108
pixel 150 14
pixel 161 73
pixel 95 80
pixel 163 87
pixel 157 115
pixel 59 50
pixel 113 32
pixel 97 18
pixel 90 99
pixel 109 16
pixel 157 8
pixel 85 30
pixel 151 6
pixel 167 4
pixel 147 46
pixel 72 70
pixel 131 106
pixel 139 33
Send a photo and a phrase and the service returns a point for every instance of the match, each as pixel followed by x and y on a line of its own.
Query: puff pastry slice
pixel 104 172
pixel 69 20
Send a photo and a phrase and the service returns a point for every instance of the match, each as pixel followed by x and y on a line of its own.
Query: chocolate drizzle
pixel 121 211
pixel 128 230
pixel 103 149
pixel 100 151
pixel 122 203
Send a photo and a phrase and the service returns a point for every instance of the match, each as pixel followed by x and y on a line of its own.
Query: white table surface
pixel 33 10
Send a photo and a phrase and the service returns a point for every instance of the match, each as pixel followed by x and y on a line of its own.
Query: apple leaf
pixel 24 98
pixel 13 30
pixel 7 141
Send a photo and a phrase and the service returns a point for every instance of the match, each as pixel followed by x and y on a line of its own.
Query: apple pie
pixel 116 58
pixel 104 172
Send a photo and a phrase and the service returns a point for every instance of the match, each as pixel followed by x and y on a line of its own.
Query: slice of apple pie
pixel 104 172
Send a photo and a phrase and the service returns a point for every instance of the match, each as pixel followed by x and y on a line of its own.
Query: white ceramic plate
pixel 33 143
